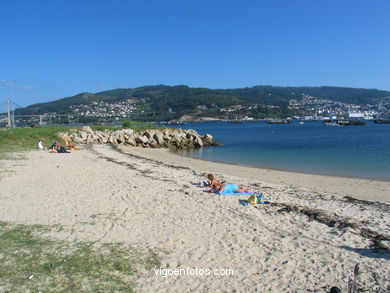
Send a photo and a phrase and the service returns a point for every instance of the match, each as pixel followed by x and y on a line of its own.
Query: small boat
pixel 235 121
pixel 279 121
pixel 351 122
pixel 173 122
pixel 332 124
pixel 380 121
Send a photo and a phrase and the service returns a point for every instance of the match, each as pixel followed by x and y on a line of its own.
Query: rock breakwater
pixel 159 138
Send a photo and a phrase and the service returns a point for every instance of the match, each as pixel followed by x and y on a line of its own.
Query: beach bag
pixel 252 199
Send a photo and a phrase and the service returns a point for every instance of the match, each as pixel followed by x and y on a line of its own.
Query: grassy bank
pixel 23 139
pixel 32 263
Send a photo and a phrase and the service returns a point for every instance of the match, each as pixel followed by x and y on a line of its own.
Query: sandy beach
pixel 310 238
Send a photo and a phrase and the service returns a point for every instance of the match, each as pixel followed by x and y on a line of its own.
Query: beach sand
pixel 148 198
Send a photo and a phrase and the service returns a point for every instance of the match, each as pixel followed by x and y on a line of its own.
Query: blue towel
pixel 213 190
pixel 237 193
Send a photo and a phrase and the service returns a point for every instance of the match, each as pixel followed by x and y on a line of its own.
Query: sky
pixel 54 49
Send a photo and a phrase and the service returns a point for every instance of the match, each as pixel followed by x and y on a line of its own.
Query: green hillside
pixel 183 99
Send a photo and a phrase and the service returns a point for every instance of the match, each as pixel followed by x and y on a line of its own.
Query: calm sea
pixel 361 151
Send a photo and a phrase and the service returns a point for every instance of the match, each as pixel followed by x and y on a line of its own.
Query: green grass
pixel 32 263
pixel 24 139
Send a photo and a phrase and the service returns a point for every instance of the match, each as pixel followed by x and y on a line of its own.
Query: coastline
pixel 281 169
pixel 356 187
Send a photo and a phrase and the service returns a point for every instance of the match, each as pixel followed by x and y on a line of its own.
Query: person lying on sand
pixel 231 188
pixel 56 147
pixel 214 181
pixel 70 145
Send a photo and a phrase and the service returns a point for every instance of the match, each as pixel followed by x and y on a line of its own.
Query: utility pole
pixel 12 114
pixel 9 113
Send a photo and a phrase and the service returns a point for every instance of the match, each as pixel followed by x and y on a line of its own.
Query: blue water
pixel 361 151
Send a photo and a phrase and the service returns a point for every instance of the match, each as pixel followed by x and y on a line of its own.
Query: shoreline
pixel 356 187
pixel 282 170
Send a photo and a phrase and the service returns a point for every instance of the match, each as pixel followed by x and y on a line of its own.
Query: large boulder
pixel 83 135
pixel 77 140
pixel 159 138
pixel 87 129
pixel 131 140
pixel 149 133
pixel 128 131
pixel 208 138
pixel 119 136
pixel 141 139
pixel 198 142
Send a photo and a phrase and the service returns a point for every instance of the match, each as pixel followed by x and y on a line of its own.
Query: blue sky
pixel 53 49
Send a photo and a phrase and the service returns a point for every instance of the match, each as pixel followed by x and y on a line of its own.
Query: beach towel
pixel 213 190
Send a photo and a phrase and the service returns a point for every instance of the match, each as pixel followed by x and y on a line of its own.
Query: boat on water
pixel 342 122
pixel 279 121
pixel 172 122
pixel 382 121
pixel 332 124
pixel 351 122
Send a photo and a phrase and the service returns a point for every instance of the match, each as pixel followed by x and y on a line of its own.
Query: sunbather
pixel 70 145
pixel 214 181
pixel 231 188
pixel 57 148
pixel 53 148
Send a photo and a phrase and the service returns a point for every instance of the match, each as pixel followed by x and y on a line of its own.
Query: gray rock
pixel 158 137
pixel 128 131
pixel 86 129
pixel 141 139
pixel 169 138
pixel 131 141
pixel 77 140
pixel 83 135
pixel 208 138
pixel 120 138
pixel 198 142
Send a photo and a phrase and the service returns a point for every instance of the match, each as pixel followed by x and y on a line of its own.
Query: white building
pixel 355 114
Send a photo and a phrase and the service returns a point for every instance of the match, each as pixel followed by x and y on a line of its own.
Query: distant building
pixel 355 115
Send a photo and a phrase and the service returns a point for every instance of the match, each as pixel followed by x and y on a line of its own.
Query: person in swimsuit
pixel 232 188
pixel 214 181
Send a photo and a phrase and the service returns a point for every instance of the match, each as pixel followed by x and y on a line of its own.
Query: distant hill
pixel 162 98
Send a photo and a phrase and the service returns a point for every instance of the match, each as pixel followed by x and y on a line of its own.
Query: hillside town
pixel 307 108
pixel 323 108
